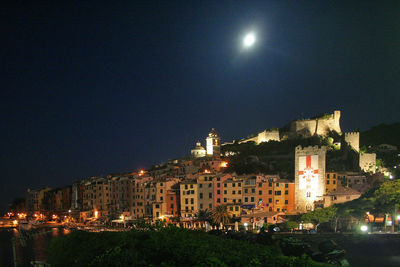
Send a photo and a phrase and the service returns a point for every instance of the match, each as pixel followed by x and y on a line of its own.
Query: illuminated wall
pixel 309 176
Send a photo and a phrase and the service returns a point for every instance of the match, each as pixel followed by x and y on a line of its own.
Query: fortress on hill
pixel 320 125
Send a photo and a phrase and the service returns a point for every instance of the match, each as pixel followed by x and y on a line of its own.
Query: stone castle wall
pixel 303 201
pixel 353 140
pixel 368 162
pixel 265 136
pixel 319 126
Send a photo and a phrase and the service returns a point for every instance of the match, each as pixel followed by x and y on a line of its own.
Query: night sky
pixel 90 89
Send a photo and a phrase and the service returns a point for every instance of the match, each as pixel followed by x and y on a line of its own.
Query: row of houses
pixel 147 196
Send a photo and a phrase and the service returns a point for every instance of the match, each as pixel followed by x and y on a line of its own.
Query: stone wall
pixel 353 140
pixel 368 162
pixel 310 178
pixel 319 126
pixel 264 136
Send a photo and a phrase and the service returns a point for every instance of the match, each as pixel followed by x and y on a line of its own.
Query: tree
pixel 220 214
pixel 388 198
pixel 319 216
pixel 203 216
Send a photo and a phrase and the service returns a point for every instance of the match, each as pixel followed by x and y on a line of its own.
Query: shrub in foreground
pixel 168 247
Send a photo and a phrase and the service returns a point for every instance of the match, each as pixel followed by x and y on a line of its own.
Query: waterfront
pixel 35 248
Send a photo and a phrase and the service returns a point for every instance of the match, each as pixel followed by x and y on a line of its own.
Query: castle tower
pixel 213 144
pixel 353 140
pixel 309 176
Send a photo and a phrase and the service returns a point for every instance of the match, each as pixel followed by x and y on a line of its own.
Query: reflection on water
pixel 36 245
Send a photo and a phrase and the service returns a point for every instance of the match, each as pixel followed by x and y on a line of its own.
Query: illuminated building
pixel 309 176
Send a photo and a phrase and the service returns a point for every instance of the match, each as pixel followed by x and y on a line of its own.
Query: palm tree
pixel 220 214
pixel 203 216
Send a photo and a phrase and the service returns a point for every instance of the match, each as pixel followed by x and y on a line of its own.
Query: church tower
pixel 213 144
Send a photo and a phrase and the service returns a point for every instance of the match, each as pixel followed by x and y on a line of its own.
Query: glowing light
pixel 96 214
pixel 249 39
pixel 224 164
pixel 245 224
pixel 364 228
pixel 398 217
pixel 15 222
pixel 206 171
pixel 141 172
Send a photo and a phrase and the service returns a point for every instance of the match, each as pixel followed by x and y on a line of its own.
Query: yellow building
pixel 331 181
pixel 232 197
pixel 206 191
pixel 189 201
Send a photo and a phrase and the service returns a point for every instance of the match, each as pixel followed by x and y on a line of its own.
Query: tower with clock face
pixel 309 176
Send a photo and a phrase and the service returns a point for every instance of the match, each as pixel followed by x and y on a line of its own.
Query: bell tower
pixel 213 144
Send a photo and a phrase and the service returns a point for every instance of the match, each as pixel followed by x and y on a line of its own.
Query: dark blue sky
pixel 88 89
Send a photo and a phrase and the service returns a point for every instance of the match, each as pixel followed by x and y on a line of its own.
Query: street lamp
pixel 364 228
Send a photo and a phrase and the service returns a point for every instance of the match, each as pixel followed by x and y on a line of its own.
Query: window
pixel 277 184
pixel 327 176
pixel 161 191
pixel 201 195
pixel 157 206
pixel 172 198
pixel 270 192
pixel 224 200
pixel 192 208
pixel 233 192
pixel 252 199
pixel 327 181
pixel 239 184
pixel 209 195
pixel 236 208
pixel 172 206
pixel 231 208
pixel 246 199
pixel 218 192
pixel 286 192
pixel 186 187
pixel 218 185
pixel 192 191
pixel 334 181
pixel 259 184
pixel 239 200
pixel 286 185
pixel 233 184
pixel 277 201
pixel 270 184
pixel 191 186
pixel 269 200
pixel 308 194
pixel 334 176
pixel 246 190
pixel 210 184
pixel 286 202
pixel 277 193
pixel 161 198
pixel 218 200
pixel 240 192
pixel 253 190
pixel 225 192
pixel 210 206
pixel 186 201
pixel 192 201
pixel 224 185
pixel 260 192
pixel 201 206
pixel 201 185
pixel 218 179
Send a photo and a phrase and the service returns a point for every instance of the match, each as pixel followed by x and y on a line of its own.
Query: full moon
pixel 249 39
